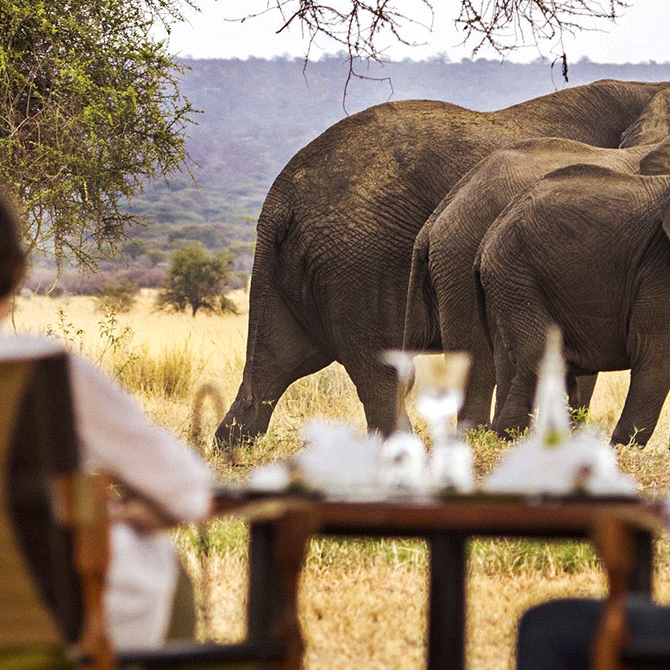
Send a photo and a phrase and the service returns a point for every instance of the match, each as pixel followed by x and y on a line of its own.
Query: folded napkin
pixel 582 463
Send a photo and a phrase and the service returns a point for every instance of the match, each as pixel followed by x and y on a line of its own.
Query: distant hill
pixel 255 114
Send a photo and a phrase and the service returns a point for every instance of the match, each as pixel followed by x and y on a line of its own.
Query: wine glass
pixel 402 456
pixel 440 388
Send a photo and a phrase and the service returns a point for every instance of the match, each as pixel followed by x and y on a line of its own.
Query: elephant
pixel 337 227
pixel 441 299
pixel 585 249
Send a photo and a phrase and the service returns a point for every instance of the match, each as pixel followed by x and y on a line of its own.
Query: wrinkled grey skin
pixel 335 234
pixel 587 249
pixel 441 300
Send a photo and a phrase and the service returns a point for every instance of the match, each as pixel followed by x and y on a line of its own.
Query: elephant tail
pixel 480 297
pixel 421 331
pixel 274 222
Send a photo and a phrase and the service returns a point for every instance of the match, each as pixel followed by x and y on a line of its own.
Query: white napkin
pixel 582 463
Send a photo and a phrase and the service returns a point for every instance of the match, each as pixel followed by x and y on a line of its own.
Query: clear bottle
pixel 551 421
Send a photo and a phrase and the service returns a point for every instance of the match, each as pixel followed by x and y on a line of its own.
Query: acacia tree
pixel 90 111
pixel 505 25
pixel 197 280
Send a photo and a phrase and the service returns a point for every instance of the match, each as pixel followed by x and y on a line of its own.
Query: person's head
pixel 12 252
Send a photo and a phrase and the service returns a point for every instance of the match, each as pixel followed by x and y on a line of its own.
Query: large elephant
pixel 585 248
pixel 335 234
pixel 441 300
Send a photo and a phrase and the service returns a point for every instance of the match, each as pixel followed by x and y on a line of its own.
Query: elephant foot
pixel 511 430
pixel 467 422
pixel 229 439
pixel 634 438
pixel 225 449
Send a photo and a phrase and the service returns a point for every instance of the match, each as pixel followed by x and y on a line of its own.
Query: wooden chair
pixel 42 610
pixel 54 543
pixel 613 648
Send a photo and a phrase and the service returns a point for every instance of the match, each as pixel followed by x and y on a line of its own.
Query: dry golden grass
pixel 362 604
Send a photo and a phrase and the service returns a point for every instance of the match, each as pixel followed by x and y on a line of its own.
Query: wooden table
pixel 280 528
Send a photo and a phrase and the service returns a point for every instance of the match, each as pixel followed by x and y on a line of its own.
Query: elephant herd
pixel 424 225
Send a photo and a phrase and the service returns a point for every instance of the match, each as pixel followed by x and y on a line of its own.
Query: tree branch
pixel 505 25
pixel 488 23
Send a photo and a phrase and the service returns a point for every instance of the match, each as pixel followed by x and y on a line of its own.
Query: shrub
pixel 197 280
pixel 121 297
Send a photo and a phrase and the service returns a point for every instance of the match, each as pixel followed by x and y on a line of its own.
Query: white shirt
pixel 117 437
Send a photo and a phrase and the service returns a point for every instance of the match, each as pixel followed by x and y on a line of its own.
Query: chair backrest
pixel 42 598
pixel 616 536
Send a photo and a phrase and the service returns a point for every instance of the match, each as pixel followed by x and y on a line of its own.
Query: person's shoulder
pixel 90 376
pixel 21 348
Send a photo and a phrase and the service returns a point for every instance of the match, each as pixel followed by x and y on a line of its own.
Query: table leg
pixel 276 554
pixel 626 555
pixel 643 567
pixel 446 604
pixel 265 585
pixel 295 529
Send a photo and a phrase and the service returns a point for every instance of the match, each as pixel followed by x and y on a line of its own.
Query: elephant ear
pixel 657 161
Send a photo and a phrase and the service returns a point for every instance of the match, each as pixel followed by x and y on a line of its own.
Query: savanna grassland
pixel 362 603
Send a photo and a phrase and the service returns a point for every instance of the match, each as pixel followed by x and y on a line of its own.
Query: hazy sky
pixel 642 34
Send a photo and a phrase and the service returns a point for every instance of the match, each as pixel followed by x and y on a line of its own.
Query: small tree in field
pixel 197 280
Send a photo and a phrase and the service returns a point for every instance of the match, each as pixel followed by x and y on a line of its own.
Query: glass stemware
pixel 402 457
pixel 440 387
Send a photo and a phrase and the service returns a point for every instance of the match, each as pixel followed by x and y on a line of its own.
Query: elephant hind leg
pixel 476 410
pixel 249 415
pixel 580 390
pixel 516 376
pixel 644 401
pixel 281 351
pixel 377 388
pixel 504 374
pixel 515 413
pixel 584 390
pixel 518 320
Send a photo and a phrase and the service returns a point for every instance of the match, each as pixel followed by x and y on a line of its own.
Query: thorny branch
pixel 356 25
pixel 359 26
pixel 505 25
